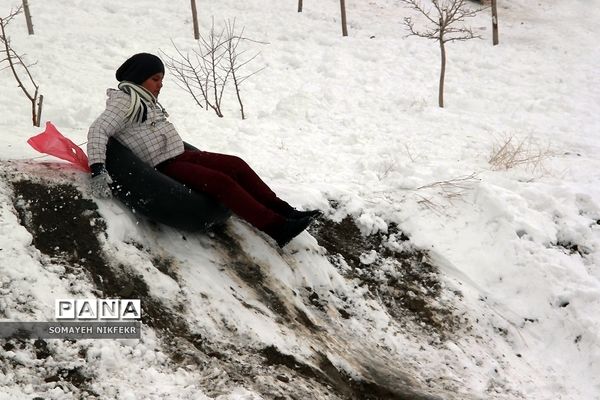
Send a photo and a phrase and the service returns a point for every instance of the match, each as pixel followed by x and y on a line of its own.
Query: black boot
pixel 291 228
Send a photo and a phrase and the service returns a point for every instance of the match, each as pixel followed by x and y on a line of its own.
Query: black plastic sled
pixel 158 197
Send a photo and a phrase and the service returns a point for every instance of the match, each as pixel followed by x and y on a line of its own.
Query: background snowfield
pixel 350 126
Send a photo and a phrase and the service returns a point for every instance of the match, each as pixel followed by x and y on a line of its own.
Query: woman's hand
pixel 100 183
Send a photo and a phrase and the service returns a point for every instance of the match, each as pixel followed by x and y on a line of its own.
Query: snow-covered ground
pixel 468 282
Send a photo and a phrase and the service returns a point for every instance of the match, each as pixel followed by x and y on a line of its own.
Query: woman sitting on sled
pixel 134 117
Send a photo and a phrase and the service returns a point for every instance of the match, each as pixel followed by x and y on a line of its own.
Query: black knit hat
pixel 140 67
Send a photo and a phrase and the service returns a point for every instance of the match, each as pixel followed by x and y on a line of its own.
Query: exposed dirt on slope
pixel 253 276
pixel 64 225
pixel 396 274
pixel 330 376
pixel 68 229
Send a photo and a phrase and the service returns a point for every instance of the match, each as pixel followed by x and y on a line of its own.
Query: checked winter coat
pixel 153 141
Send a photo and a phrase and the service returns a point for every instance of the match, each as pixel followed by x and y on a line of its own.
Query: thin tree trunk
pixel 442 74
pixel 343 10
pixel 28 17
pixel 237 92
pixel 299 5
pixel 38 117
pixel 195 19
pixel 494 23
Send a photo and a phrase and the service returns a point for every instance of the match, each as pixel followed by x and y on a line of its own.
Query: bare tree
pixel 234 60
pixel 195 20
pixel 206 72
pixel 494 7
pixel 444 23
pixel 495 40
pixel 16 64
pixel 188 74
pixel 200 70
pixel 343 13
pixel 28 17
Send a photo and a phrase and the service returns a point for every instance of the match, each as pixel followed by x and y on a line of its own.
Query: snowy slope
pixel 450 278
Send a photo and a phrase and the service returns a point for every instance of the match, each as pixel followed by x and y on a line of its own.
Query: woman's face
pixel 154 83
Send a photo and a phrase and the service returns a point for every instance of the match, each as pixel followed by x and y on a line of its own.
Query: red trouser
pixel 232 182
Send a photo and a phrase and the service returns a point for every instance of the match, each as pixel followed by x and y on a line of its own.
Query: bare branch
pixel 242 79
pixel 15 60
pixel 463 182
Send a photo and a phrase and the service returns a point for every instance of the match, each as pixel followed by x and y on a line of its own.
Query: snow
pixel 353 121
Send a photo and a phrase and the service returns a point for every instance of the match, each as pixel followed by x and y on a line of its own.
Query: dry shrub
pixel 450 189
pixel 511 152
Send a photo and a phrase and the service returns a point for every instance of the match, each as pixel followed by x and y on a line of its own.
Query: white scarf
pixel 138 110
